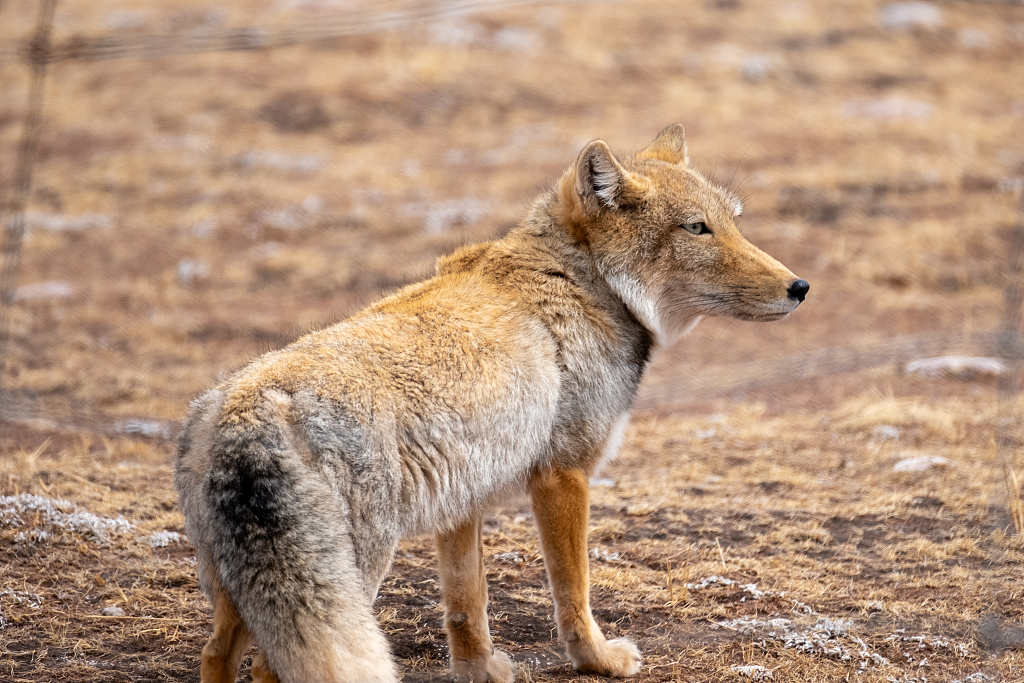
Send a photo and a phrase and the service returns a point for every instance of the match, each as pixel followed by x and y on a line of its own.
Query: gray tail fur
pixel 282 545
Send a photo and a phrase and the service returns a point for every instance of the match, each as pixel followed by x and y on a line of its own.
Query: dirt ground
pixel 189 212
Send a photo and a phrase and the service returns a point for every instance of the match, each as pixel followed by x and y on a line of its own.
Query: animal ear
pixel 669 146
pixel 602 182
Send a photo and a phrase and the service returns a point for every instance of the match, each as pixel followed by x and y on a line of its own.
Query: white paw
pixel 497 668
pixel 618 658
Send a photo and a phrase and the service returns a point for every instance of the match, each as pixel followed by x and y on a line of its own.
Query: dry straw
pixel 1015 502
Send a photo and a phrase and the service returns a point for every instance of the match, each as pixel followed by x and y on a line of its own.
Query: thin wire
pixel 1009 348
pixel 38 55
pixel 251 38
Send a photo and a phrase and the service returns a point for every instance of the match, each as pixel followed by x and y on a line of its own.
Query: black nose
pixel 798 290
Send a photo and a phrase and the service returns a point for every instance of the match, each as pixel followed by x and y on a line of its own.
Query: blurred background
pixel 187 185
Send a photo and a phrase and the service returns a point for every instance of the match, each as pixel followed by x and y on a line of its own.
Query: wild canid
pixel 511 370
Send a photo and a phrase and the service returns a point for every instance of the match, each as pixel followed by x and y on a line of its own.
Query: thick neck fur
pixel 545 230
pixel 551 243
pixel 556 249
pixel 556 216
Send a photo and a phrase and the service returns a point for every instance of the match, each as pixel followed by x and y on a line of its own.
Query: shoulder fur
pixel 462 260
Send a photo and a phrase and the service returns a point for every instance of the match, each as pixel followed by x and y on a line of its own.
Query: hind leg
pixel 473 657
pixel 340 641
pixel 223 653
pixel 261 671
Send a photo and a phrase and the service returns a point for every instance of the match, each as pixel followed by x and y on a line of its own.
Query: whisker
pixel 738 164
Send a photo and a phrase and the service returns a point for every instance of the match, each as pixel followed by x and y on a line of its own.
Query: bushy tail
pixel 283 550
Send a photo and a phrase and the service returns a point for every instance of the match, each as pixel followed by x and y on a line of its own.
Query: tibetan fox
pixel 511 370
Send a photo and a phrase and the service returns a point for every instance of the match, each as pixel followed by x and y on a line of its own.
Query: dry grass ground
pixel 189 212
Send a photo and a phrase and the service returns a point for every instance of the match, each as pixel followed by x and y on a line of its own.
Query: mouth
pixel 766 313
pixel 761 317
pixel 735 305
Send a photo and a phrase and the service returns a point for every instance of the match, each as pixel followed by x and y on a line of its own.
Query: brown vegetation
pixel 200 209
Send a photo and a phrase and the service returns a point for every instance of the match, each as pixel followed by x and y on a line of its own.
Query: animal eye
pixel 699 228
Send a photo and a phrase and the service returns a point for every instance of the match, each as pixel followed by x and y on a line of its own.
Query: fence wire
pixel 37 53
pixel 251 38
pixel 1008 499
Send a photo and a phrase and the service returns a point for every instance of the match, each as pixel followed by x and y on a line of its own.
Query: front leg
pixel 473 657
pixel 561 507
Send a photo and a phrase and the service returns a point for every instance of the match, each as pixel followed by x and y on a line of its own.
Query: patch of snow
pixel 710 581
pixel 756 67
pixel 294 217
pixel 929 643
pixel 510 558
pixel 604 555
pixel 921 463
pixel 38 291
pixel 751 590
pixel 907 16
pixel 32 537
pixel 1010 184
pixel 411 168
pixel 265 251
pixel 960 367
pixel 60 515
pixel 888 108
pixel 456 155
pixel 189 142
pixel 455 32
pixel 973 38
pixel 126 20
pixel 22 597
pixel 449 213
pixel 55 222
pixel 285 162
pixel 754 672
pixel 836 639
pixel 191 270
pixel 204 228
pixel 162 539
pixel 885 433
pixel 112 611
pixel 150 428
pixel 517 39
pixel 827 637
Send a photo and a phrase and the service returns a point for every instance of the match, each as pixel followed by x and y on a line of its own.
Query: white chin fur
pixel 640 303
pixel 687 327
pixel 643 304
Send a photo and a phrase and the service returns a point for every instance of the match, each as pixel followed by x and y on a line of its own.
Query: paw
pixel 618 658
pixel 497 667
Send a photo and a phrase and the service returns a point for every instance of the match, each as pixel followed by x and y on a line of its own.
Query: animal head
pixel 665 239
